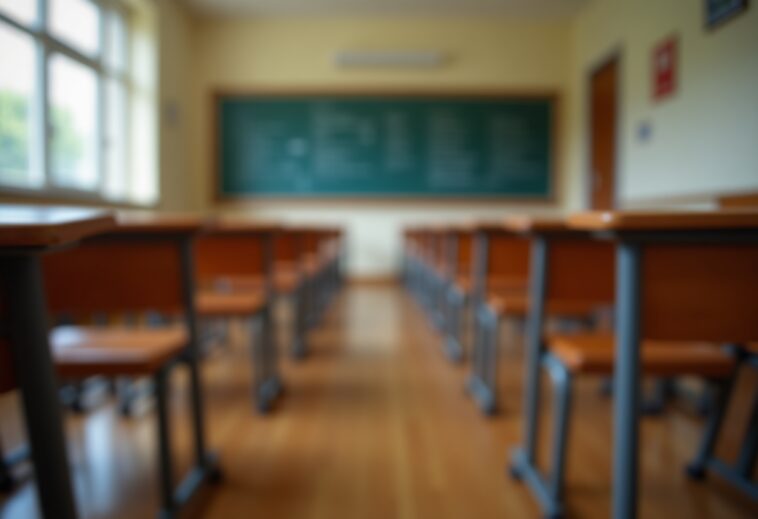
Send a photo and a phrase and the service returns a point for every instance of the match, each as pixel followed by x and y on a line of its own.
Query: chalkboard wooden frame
pixel 550 96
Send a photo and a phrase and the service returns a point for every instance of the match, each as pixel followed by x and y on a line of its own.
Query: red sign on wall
pixel 665 68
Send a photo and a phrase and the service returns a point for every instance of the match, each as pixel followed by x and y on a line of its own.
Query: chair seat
pixel 595 354
pixel 516 303
pixel 83 351
pixel 238 303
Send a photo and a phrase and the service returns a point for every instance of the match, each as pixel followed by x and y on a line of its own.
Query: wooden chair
pixel 414 262
pixel 576 297
pixel 587 275
pixel 421 255
pixel 290 283
pixel 145 265
pixel 318 251
pixel 407 252
pixel 330 250
pixel 434 273
pixel 500 270
pixel 458 297
pixel 235 275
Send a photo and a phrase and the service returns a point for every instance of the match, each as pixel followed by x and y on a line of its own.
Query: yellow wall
pixel 704 140
pixel 178 189
pixel 288 52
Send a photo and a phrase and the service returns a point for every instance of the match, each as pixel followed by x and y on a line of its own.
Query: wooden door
pixel 603 118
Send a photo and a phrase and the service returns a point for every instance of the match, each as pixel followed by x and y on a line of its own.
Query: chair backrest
pixel 581 269
pixel 438 248
pixel 288 246
pixel 738 201
pixel 311 242
pixel 703 292
pixel 115 274
pixel 464 252
pixel 220 255
pixel 508 256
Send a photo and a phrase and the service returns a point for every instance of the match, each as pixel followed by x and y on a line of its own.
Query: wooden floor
pixel 375 424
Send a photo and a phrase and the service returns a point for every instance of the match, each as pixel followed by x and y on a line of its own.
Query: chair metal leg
pixel 440 306
pixel 493 346
pixel 165 464
pixel 696 469
pixel 206 465
pixel 562 381
pixel 747 457
pixel 739 475
pixel 454 326
pixel 6 478
pixel 654 404
pixel 298 348
pixel 549 489
pixel 266 381
pixel 484 366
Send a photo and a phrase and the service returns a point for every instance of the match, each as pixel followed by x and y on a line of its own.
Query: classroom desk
pixel 140 226
pixel 241 252
pixel 457 295
pixel 500 262
pixel 722 248
pixel 551 237
pixel 27 232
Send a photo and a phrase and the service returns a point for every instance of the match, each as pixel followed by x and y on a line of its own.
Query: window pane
pixel 17 88
pixel 116 186
pixel 116 41
pixel 73 120
pixel 144 153
pixel 24 11
pixel 76 22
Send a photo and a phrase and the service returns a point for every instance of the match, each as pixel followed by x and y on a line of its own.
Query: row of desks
pixel 27 233
pixel 679 276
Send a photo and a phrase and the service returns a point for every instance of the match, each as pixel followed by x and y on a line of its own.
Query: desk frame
pixel 630 250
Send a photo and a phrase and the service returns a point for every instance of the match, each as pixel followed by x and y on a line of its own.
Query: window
pixel 77 24
pixel 73 111
pixel 23 11
pixel 17 92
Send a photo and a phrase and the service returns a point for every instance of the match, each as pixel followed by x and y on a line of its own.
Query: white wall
pixel 704 139
pixel 178 190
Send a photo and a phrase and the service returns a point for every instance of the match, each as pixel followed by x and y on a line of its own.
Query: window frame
pixel 46 45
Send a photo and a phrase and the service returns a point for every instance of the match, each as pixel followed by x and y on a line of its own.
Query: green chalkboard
pixel 330 145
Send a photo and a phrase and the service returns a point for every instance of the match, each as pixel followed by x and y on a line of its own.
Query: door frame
pixel 615 54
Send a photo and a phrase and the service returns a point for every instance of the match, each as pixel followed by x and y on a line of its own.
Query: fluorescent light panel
pixel 400 59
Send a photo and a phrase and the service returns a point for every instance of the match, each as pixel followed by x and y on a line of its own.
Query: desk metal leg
pixel 626 382
pixel 537 295
pixel 746 461
pixel 6 478
pixel 33 366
